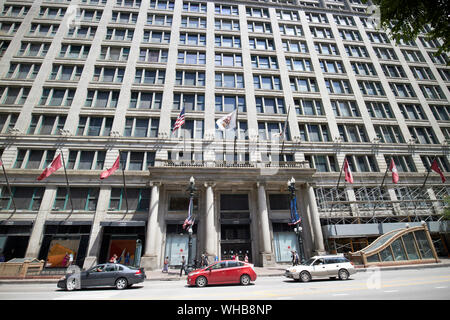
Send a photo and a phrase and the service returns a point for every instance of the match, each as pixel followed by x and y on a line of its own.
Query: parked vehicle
pixel 331 266
pixel 103 275
pixel 221 272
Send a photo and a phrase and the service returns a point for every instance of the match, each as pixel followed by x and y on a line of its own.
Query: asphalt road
pixel 417 284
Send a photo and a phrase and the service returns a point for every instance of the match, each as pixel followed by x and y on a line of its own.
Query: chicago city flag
pixel 55 165
pixel 227 122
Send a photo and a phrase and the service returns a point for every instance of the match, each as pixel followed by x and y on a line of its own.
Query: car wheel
pixel 121 283
pixel 305 276
pixel 201 282
pixel 71 284
pixel 343 274
pixel 245 279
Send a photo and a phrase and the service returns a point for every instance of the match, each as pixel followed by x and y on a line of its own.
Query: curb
pixel 183 278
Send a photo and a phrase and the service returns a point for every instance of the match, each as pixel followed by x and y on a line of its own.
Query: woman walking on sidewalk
pixel 166 265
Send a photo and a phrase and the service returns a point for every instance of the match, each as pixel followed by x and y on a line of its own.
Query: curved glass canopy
pixel 401 246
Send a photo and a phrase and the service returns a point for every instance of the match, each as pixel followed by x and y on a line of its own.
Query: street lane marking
pixel 390 291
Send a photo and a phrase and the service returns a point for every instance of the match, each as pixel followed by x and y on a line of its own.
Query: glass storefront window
pixel 399 252
pixel 408 239
pixel 62 252
pixel 386 254
pixel 424 245
pixel 284 243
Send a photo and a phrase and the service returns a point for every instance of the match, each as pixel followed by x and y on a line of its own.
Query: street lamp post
pixel 297 227
pixel 191 190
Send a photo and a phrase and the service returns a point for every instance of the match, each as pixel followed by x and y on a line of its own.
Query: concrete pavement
pixel 174 274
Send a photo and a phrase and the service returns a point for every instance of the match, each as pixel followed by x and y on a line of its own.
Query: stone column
pixel 267 257
pixel 96 236
pixel 319 247
pixel 210 226
pixel 150 260
pixel 37 233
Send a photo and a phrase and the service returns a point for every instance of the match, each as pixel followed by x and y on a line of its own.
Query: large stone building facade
pixel 90 78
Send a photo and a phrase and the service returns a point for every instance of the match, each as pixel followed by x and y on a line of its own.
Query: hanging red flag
pixel 348 172
pixel 435 167
pixel 105 174
pixel 55 165
pixel 394 171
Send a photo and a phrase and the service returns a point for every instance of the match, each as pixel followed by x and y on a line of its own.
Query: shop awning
pixel 67 223
pixel 16 223
pixel 122 223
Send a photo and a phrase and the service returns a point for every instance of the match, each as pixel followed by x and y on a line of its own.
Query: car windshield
pixel 308 262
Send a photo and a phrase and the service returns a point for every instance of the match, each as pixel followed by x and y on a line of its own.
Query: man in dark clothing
pixel 183 265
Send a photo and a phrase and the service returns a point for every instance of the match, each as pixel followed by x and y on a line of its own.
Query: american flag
pixel 190 219
pixel 180 121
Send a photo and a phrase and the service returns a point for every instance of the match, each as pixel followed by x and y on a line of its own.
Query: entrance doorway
pixel 229 250
pixel 235 235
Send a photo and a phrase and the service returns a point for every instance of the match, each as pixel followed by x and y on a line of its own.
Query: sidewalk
pixel 174 274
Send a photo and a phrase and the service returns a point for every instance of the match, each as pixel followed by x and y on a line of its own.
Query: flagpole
pixel 337 186
pixel 124 182
pixel 381 186
pixel 284 129
pixel 9 187
pixel 385 173
pixel 67 180
pixel 429 170
pixel 236 132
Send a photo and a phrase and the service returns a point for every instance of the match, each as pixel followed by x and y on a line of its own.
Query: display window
pixel 123 251
pixel 62 252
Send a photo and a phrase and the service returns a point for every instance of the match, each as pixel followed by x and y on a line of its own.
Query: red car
pixel 228 271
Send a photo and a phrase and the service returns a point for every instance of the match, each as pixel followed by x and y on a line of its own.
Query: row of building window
pixel 62 72
pixel 194 128
pixel 119 53
pixel 138 199
pixel 139 161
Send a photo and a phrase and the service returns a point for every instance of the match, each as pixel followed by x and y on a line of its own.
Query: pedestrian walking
pixel 206 261
pixel 183 265
pixel 166 265
pixel 246 258
pixel 296 258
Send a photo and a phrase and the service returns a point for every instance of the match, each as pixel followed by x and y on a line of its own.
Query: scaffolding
pixel 374 204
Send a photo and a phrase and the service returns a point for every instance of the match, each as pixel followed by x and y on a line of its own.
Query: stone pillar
pixel 96 236
pixel 267 257
pixel 149 260
pixel 210 226
pixel 305 214
pixel 34 244
pixel 319 247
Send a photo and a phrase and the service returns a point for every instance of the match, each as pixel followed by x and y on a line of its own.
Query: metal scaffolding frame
pixel 413 204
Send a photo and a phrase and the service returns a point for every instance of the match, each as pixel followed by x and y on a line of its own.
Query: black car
pixel 103 275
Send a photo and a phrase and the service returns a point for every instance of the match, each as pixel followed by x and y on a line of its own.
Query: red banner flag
pixel 394 171
pixel 435 167
pixel 55 165
pixel 348 172
pixel 105 174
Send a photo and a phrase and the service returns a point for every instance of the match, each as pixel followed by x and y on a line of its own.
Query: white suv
pixel 322 266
